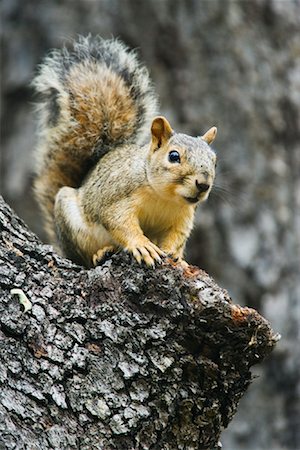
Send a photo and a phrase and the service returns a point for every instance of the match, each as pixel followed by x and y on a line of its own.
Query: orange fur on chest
pixel 157 215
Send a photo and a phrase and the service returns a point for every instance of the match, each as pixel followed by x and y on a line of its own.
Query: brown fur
pixel 132 200
pixel 97 92
pixel 92 91
pixel 90 104
pixel 99 188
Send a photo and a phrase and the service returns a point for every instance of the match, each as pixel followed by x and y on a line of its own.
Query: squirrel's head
pixel 181 166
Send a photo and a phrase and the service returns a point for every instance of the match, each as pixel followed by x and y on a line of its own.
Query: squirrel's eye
pixel 174 157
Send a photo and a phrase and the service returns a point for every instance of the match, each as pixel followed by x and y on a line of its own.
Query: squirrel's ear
pixel 210 135
pixel 161 131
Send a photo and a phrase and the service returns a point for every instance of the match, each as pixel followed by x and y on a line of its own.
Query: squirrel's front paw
pixel 101 253
pixel 147 252
pixel 182 262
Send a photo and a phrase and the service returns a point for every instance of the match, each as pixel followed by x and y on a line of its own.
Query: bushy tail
pixel 91 99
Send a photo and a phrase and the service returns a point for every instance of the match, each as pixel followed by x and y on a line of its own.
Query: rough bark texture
pixel 117 357
pixel 234 64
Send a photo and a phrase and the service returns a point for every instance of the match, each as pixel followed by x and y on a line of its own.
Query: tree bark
pixel 120 356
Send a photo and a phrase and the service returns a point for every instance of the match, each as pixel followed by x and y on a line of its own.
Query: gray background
pixel 233 64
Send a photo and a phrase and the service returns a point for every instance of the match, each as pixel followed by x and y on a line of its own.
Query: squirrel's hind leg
pixel 84 243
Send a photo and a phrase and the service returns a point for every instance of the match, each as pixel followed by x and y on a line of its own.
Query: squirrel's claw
pixel 102 253
pixel 149 253
pixel 183 263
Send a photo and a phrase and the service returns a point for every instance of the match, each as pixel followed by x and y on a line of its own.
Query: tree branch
pixel 120 356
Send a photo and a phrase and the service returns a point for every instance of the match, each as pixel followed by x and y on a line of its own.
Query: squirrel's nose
pixel 202 187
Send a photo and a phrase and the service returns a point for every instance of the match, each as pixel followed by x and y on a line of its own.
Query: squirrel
pixel 110 174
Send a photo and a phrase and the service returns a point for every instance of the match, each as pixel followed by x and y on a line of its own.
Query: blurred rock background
pixel 233 64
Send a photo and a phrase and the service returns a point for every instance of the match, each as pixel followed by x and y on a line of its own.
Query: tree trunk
pixel 120 356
